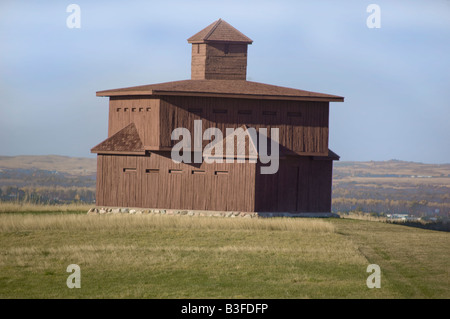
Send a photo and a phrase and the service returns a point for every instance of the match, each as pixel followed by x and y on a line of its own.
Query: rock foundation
pixel 141 211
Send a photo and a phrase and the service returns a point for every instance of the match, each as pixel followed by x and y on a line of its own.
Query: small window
pixel 198 48
pixel 220 111
pixel 125 109
pixel 198 172
pixel 141 109
pixel 227 48
pixel 175 171
pixel 118 109
pixel 195 111
pixel 245 112
pixel 129 170
pixel 148 109
pixel 269 113
pixel 152 170
pixel 133 109
pixel 221 173
pixel 294 114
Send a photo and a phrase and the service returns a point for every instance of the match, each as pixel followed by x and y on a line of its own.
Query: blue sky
pixel 395 79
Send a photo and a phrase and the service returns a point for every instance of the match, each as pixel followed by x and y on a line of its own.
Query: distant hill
pixel 392 187
pixel 71 165
pixel 392 168
pixel 48 179
pixel 88 166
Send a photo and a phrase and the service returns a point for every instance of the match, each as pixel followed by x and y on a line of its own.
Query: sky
pixel 395 78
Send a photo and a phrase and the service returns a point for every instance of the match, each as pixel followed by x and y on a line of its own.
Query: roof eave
pixel 219 41
pixel 222 95
pixel 117 152
pixel 123 93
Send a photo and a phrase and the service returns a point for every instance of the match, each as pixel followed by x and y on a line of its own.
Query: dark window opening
pixel 175 171
pixel 141 109
pixel 129 170
pixel 245 112
pixel 118 109
pixel 221 173
pixel 269 113
pixel 221 111
pixel 294 114
pixel 148 109
pixel 152 170
pixel 227 48
pixel 195 111
pixel 125 109
pixel 198 172
pixel 133 109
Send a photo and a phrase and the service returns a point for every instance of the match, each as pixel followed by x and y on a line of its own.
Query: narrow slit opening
pixel 221 173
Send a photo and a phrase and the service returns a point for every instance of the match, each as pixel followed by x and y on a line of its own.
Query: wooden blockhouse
pixel 135 168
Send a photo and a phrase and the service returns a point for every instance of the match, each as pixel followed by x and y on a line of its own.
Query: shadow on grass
pixel 440 225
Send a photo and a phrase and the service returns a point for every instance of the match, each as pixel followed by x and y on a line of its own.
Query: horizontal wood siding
pixel 303 126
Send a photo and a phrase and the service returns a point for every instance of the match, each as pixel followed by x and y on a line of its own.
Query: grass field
pixel 123 256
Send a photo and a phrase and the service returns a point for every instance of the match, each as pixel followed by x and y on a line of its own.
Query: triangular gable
pixel 245 145
pixel 126 141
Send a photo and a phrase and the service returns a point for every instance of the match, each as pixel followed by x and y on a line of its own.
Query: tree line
pixel 47 194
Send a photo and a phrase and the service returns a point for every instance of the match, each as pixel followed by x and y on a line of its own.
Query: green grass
pixel 123 256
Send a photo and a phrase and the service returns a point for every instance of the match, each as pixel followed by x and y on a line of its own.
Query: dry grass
pixel 159 256
pixel 125 223
pixel 363 216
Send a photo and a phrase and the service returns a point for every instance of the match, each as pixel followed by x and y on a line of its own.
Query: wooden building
pixel 135 168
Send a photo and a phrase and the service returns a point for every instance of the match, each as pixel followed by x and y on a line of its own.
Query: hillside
pixel 64 164
pixel 48 179
pixel 147 256
pixel 391 168
pixel 392 187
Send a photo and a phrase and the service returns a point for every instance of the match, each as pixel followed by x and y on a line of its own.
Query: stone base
pixel 152 211
pixel 287 214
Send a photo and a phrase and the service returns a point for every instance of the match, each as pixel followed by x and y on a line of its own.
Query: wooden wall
pixel 143 111
pixel 198 61
pixel 147 182
pixel 301 185
pixel 303 125
pixel 220 61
